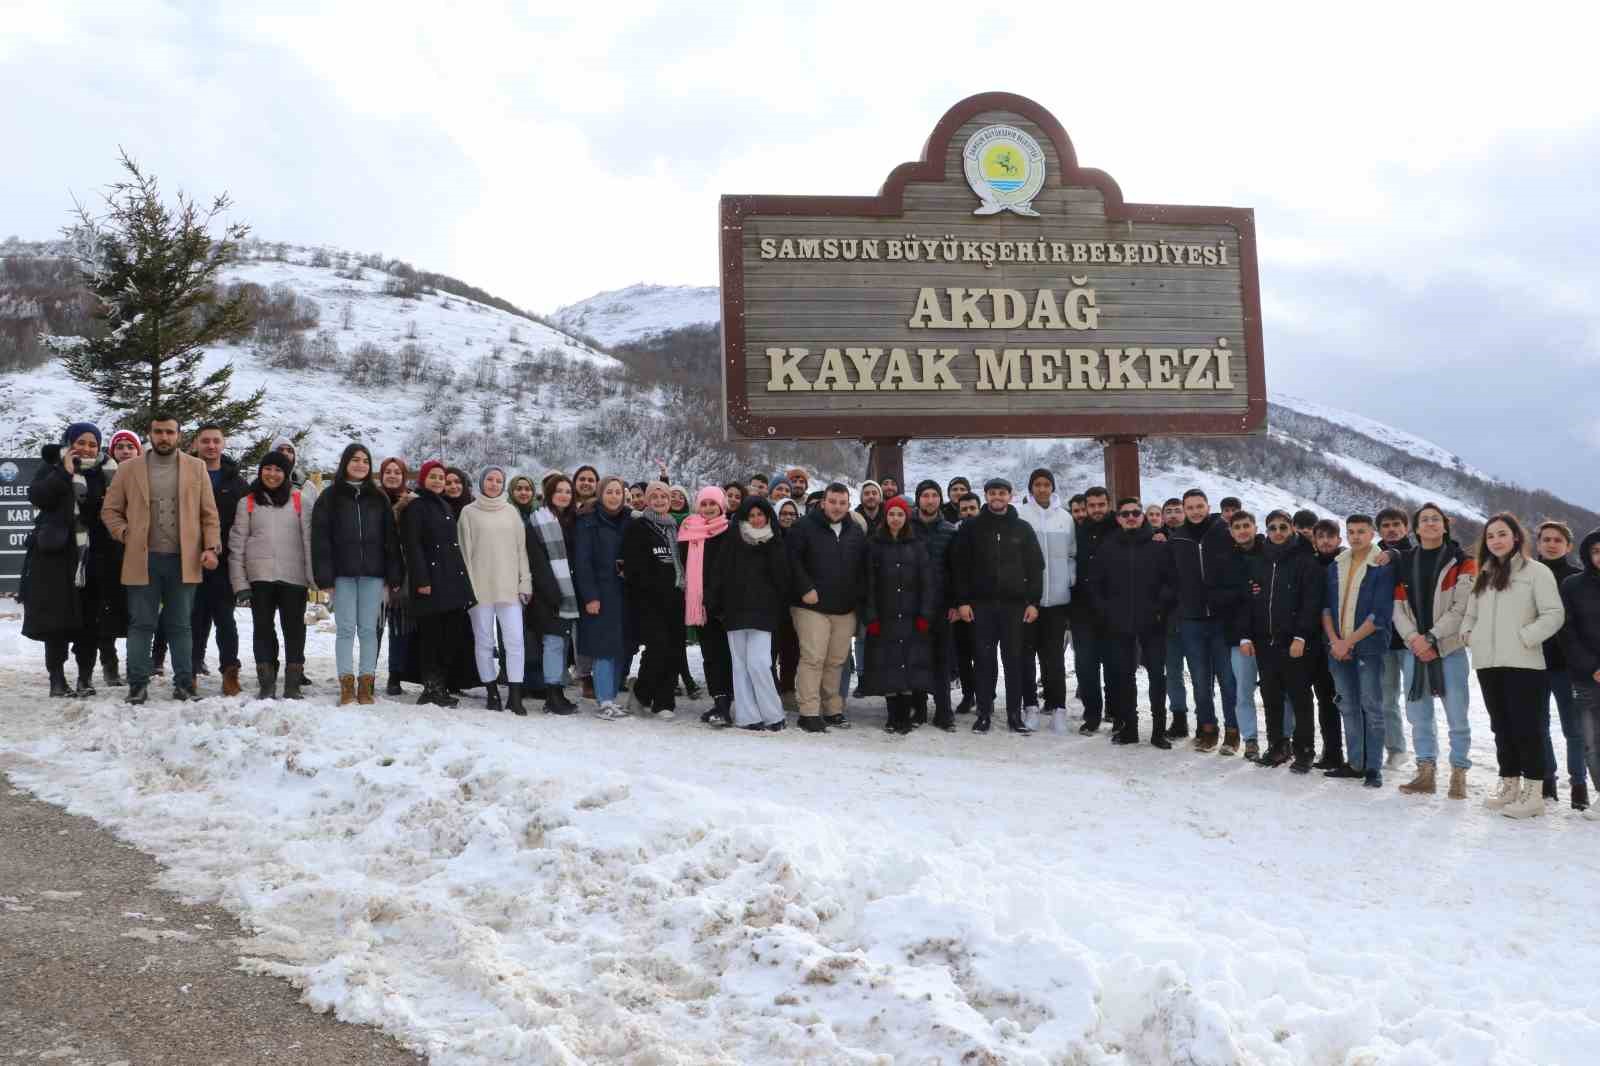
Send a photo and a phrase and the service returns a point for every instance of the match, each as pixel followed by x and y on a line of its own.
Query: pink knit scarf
pixel 694 532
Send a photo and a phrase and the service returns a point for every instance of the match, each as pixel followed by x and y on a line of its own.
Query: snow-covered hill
pixel 625 316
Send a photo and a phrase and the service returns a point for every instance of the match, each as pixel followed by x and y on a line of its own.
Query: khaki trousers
pixel 824 643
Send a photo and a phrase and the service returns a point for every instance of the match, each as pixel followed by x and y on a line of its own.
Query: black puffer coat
pixel 229 489
pixel 1560 569
pixel 996 558
pixel 835 566
pixel 899 591
pixel 1229 588
pixel 937 536
pixel 1132 583
pixel 1580 636
pixel 52 604
pixel 353 534
pixel 433 556
pixel 749 588
pixel 1090 535
pixel 1286 592
pixel 1199 551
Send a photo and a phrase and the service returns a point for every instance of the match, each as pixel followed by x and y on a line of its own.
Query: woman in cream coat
pixel 494 545
pixel 1514 608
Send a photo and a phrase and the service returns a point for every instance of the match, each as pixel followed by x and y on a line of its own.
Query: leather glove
pixel 874 629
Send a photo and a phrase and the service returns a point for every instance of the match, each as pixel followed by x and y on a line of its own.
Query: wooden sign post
pixel 993 288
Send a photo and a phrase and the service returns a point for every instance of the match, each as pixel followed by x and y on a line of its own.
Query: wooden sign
pixel 993 288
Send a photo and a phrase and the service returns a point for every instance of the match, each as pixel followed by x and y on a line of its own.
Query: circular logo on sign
pixel 8 472
pixel 1005 167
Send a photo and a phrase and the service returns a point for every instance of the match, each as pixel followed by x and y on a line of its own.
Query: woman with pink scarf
pixel 701 537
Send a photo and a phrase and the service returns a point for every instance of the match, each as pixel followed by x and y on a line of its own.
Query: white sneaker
pixel 1395 761
pixel 1592 814
pixel 610 712
pixel 1058 721
pixel 1030 718
pixel 1504 793
pixel 666 715
pixel 1529 803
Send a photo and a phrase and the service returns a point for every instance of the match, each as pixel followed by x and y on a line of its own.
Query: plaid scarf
pixel 553 536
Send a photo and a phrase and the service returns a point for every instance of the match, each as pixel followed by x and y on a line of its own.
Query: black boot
pixel 836 721
pixel 393 687
pixel 1180 726
pixel 891 724
pixel 108 665
pixel 1580 795
pixel 944 720
pixel 910 711
pixel 294 676
pixel 491 701
pixel 919 710
pixel 267 681
pixel 721 712
pixel 85 687
pixel 983 722
pixel 1015 723
pixel 1550 789
pixel 556 702
pixel 138 693
pixel 813 724
pixel 58 685
pixel 514 700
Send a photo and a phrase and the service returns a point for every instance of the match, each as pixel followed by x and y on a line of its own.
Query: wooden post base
pixel 887 458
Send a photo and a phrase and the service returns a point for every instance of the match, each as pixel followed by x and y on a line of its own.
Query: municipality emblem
pixel 1005 167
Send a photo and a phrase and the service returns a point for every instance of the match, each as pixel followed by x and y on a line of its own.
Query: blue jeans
pixel 1360 683
pixel 1206 651
pixel 1571 728
pixel 1394 734
pixel 553 651
pixel 605 679
pixel 1457 696
pixel 145 602
pixel 1244 680
pixel 1177 699
pixel 356 604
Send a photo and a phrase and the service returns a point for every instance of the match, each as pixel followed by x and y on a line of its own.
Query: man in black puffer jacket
pixel 1133 585
pixel 936 535
pixel 997 579
pixel 828 573
pixel 1554 541
pixel 1580 642
pixel 1090 654
pixel 213 600
pixel 1199 549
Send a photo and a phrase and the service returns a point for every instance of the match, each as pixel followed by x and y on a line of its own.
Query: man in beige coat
pixel 161 508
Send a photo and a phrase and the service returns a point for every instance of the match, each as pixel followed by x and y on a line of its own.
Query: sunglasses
pixel 1129 514
pixel 1277 527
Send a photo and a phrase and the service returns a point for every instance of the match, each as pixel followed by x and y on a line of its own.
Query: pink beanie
pixel 711 492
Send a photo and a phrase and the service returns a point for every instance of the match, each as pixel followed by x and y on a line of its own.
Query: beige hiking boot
pixel 1458 783
pixel 1529 802
pixel 1505 792
pixel 1423 783
pixel 347 689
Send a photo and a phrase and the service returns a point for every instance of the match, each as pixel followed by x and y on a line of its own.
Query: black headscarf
pixel 458 502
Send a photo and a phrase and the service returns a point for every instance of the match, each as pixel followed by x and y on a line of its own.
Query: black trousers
pixel 274 600
pixel 435 639
pixel 1088 657
pixel 1124 654
pixel 941 649
pixel 663 634
pixel 1284 677
pixel 717 658
pixel 1516 701
pixel 82 647
pixel 965 638
pixel 1047 650
pixel 1329 722
pixel 213 606
pixel 999 626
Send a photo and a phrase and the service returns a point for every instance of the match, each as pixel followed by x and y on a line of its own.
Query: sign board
pixel 16 518
pixel 993 288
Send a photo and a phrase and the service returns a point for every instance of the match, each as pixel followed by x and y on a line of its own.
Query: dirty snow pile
pixel 494 890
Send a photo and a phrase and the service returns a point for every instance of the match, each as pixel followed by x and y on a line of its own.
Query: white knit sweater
pixel 494 545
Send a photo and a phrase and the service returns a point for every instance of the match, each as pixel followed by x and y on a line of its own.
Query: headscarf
pixel 493 503
pixel 78 429
pixel 524 509
pixel 426 469
pixel 679 516
pixel 405 476
pixel 694 531
pixel 466 496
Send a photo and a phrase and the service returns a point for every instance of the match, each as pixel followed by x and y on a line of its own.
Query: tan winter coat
pixel 1452 591
pixel 126 514
pixel 495 547
pixel 1508 628
pixel 270 543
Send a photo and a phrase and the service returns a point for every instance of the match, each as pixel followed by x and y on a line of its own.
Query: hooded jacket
pixel 1199 550
pixel 1508 627
pixel 1452 588
pixel 996 559
pixel 596 575
pixel 1133 583
pixel 1058 542
pixel 1580 597
pixel 229 488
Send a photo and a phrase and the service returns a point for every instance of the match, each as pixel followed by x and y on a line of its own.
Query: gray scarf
pixel 667 530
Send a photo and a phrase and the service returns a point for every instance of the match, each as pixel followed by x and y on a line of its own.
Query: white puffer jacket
pixel 1058 540
pixel 1508 627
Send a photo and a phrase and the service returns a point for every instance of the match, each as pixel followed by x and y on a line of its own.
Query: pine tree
pixel 154 270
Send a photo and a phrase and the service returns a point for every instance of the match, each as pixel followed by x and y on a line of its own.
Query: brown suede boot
pixel 1423 783
pixel 1205 738
pixel 1458 783
pixel 230 681
pixel 1230 742
pixel 347 689
pixel 366 686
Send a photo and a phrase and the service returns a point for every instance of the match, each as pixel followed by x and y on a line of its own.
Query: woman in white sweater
pixel 1514 608
pixel 495 547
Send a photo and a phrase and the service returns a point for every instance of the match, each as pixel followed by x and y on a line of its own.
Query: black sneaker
pixel 1160 741
pixel 813 724
pixel 1301 765
pixel 59 688
pixel 1374 779
pixel 777 727
pixel 1123 738
pixel 138 693
pixel 982 723
pixel 1088 729
pixel 1345 772
pixel 184 693
pixel 755 727
pixel 836 721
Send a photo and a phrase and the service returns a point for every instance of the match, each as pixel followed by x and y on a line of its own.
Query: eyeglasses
pixel 1277 527
pixel 1129 514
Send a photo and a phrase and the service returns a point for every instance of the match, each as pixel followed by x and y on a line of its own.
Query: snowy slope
pixel 623 316
pixel 493 890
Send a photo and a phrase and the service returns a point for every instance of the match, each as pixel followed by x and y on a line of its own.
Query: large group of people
pixel 1325 632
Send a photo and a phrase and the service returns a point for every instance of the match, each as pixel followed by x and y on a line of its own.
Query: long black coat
pixel 428 530
pixel 937 536
pixel 52 604
pixel 899 591
pixel 749 586
pixel 654 599
pixel 353 534
pixel 1133 583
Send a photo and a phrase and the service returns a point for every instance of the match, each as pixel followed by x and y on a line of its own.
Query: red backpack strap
pixel 250 504
pixel 296 495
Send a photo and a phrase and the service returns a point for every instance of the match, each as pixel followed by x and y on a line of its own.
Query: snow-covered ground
pixel 498 890
pixel 622 316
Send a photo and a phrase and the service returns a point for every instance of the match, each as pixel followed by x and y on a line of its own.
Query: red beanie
pixel 900 502
pixel 422 474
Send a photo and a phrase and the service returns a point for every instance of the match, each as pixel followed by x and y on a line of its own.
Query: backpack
pixel 250 502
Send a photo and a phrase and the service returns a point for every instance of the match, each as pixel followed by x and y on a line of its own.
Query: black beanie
pixel 279 460
pixel 926 484
pixel 1042 473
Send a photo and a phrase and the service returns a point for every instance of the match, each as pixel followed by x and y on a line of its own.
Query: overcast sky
pixel 1423 175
